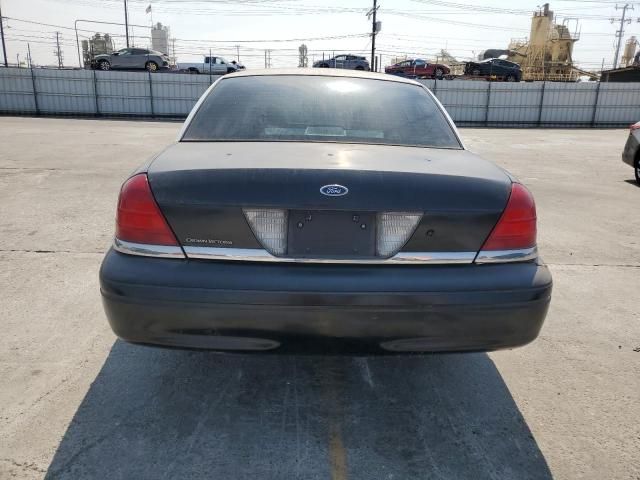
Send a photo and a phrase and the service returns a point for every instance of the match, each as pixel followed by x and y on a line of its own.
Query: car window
pixel 405 63
pixel 139 51
pixel 124 51
pixel 320 109
pixel 341 57
pixel 420 63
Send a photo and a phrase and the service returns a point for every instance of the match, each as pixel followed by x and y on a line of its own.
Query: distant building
pixel 160 38
pixel 96 45
pixel 624 74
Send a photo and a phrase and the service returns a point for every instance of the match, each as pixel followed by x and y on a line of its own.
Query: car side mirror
pixel 115 53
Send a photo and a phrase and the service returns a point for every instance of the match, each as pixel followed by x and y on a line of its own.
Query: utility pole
pixel 4 48
pixel 620 32
pixel 58 52
pixel 126 22
pixel 374 31
pixel 238 53
pixel 173 46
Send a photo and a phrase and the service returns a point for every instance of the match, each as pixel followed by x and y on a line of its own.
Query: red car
pixel 418 68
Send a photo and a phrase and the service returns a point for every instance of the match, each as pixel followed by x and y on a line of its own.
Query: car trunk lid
pixel 205 190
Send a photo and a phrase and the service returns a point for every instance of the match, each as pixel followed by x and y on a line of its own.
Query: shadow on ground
pixel 155 413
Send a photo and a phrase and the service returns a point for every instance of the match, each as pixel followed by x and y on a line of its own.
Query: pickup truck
pixel 214 65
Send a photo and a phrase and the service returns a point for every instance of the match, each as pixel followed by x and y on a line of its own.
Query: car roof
pixel 320 72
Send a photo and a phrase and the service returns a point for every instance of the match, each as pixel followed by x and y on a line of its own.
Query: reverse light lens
pixel 270 227
pixel 516 228
pixel 139 219
pixel 393 231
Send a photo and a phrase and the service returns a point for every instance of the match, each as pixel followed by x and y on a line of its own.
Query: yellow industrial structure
pixel 548 52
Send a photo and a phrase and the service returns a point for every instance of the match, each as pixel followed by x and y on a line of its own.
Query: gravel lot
pixel 76 403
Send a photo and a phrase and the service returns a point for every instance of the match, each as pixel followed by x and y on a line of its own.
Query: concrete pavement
pixel 77 403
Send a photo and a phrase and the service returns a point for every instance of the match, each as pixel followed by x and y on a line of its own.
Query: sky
pixel 417 28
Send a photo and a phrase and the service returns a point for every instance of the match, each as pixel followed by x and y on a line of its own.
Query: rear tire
pixel 324 65
pixel 151 66
pixel 193 71
pixel 637 170
pixel 231 70
pixel 360 67
pixel 104 65
pixel 439 73
pixel 511 78
pixel 475 71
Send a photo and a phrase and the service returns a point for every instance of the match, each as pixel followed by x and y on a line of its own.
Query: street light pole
pixel 4 48
pixel 373 11
pixel 126 22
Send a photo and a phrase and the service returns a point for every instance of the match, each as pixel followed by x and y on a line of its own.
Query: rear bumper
pixel 323 308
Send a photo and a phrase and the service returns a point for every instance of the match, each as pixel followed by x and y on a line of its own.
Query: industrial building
pixel 97 45
pixel 630 69
pixel 547 54
pixel 160 38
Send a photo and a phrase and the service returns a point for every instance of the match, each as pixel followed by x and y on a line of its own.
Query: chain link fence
pixel 83 93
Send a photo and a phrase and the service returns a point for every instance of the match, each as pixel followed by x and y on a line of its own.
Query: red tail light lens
pixel 635 126
pixel 516 228
pixel 139 218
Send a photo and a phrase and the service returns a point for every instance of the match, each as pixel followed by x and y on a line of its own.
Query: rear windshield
pixel 320 109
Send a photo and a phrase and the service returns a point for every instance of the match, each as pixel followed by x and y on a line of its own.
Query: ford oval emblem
pixel 334 190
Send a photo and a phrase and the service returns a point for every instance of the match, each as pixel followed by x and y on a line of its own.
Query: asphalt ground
pixel 77 403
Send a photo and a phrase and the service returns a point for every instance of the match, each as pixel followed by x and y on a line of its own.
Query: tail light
pixel 139 218
pixel 270 226
pixel 635 126
pixel 394 229
pixel 515 232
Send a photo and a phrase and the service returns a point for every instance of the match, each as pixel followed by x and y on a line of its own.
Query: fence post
pixel 595 105
pixel 151 94
pixel 544 85
pixel 210 79
pixel 95 93
pixel 35 92
pixel 486 112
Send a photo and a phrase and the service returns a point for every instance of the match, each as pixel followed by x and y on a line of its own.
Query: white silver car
pixel 131 59
pixel 631 153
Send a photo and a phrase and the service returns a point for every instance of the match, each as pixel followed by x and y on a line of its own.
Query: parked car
pixel 215 65
pixel 131 59
pixel 631 153
pixel 501 69
pixel 349 62
pixel 418 68
pixel 309 218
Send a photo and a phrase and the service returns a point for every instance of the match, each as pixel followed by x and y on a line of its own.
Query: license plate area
pixel 334 234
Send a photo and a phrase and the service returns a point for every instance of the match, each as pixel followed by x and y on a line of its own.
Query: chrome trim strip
pixel 501 256
pixel 433 257
pixel 261 255
pixel 144 250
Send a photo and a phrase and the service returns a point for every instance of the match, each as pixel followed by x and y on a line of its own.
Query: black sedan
pixel 494 67
pixel 309 218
